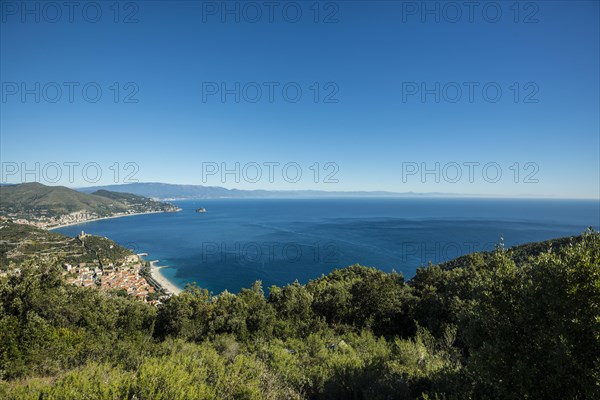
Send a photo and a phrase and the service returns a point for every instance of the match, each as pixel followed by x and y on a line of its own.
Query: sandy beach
pixel 157 276
pixel 161 279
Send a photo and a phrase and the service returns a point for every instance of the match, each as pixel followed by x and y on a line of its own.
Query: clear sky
pixel 388 89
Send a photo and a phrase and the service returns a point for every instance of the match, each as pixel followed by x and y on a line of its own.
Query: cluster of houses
pixel 44 221
pixel 84 275
pixel 125 277
pixel 129 280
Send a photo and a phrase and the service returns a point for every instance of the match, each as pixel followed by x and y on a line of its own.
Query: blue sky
pixel 370 60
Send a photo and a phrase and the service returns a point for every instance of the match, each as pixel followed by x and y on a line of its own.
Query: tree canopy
pixel 500 325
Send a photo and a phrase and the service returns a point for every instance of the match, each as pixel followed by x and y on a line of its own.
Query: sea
pixel 277 241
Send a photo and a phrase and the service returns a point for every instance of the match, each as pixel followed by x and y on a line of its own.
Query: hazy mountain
pixel 170 191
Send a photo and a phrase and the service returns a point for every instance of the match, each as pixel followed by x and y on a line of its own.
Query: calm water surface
pixel 277 241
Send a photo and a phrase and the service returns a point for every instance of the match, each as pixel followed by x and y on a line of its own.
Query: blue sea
pixel 239 241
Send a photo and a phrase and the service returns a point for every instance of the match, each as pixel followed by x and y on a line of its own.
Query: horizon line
pixel 343 193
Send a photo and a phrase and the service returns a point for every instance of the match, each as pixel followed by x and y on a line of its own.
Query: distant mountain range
pixel 166 191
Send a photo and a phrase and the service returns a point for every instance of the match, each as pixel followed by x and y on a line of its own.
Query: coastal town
pixel 129 275
pixel 86 260
pixel 78 217
pixel 45 221
pixel 30 212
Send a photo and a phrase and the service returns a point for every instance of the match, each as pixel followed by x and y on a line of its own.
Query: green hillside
pixel 20 242
pixel 35 197
pixel 34 200
pixel 124 198
pixel 518 253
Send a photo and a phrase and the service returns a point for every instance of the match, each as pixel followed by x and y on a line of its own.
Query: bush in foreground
pixel 501 325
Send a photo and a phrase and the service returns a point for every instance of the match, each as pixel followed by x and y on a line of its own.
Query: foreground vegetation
pixel 503 325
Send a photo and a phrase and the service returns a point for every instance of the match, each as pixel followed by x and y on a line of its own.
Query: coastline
pixel 102 218
pixel 162 280
pixel 155 273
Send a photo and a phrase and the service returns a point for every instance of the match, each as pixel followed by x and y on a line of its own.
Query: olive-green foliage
pixel 494 326
pixel 537 325
pixel 48 326
pixel 183 371
pixel 105 249
pixel 364 297
pixel 19 242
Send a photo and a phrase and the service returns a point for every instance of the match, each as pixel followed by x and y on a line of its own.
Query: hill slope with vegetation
pixel 496 326
pixel 36 202
pixel 20 242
